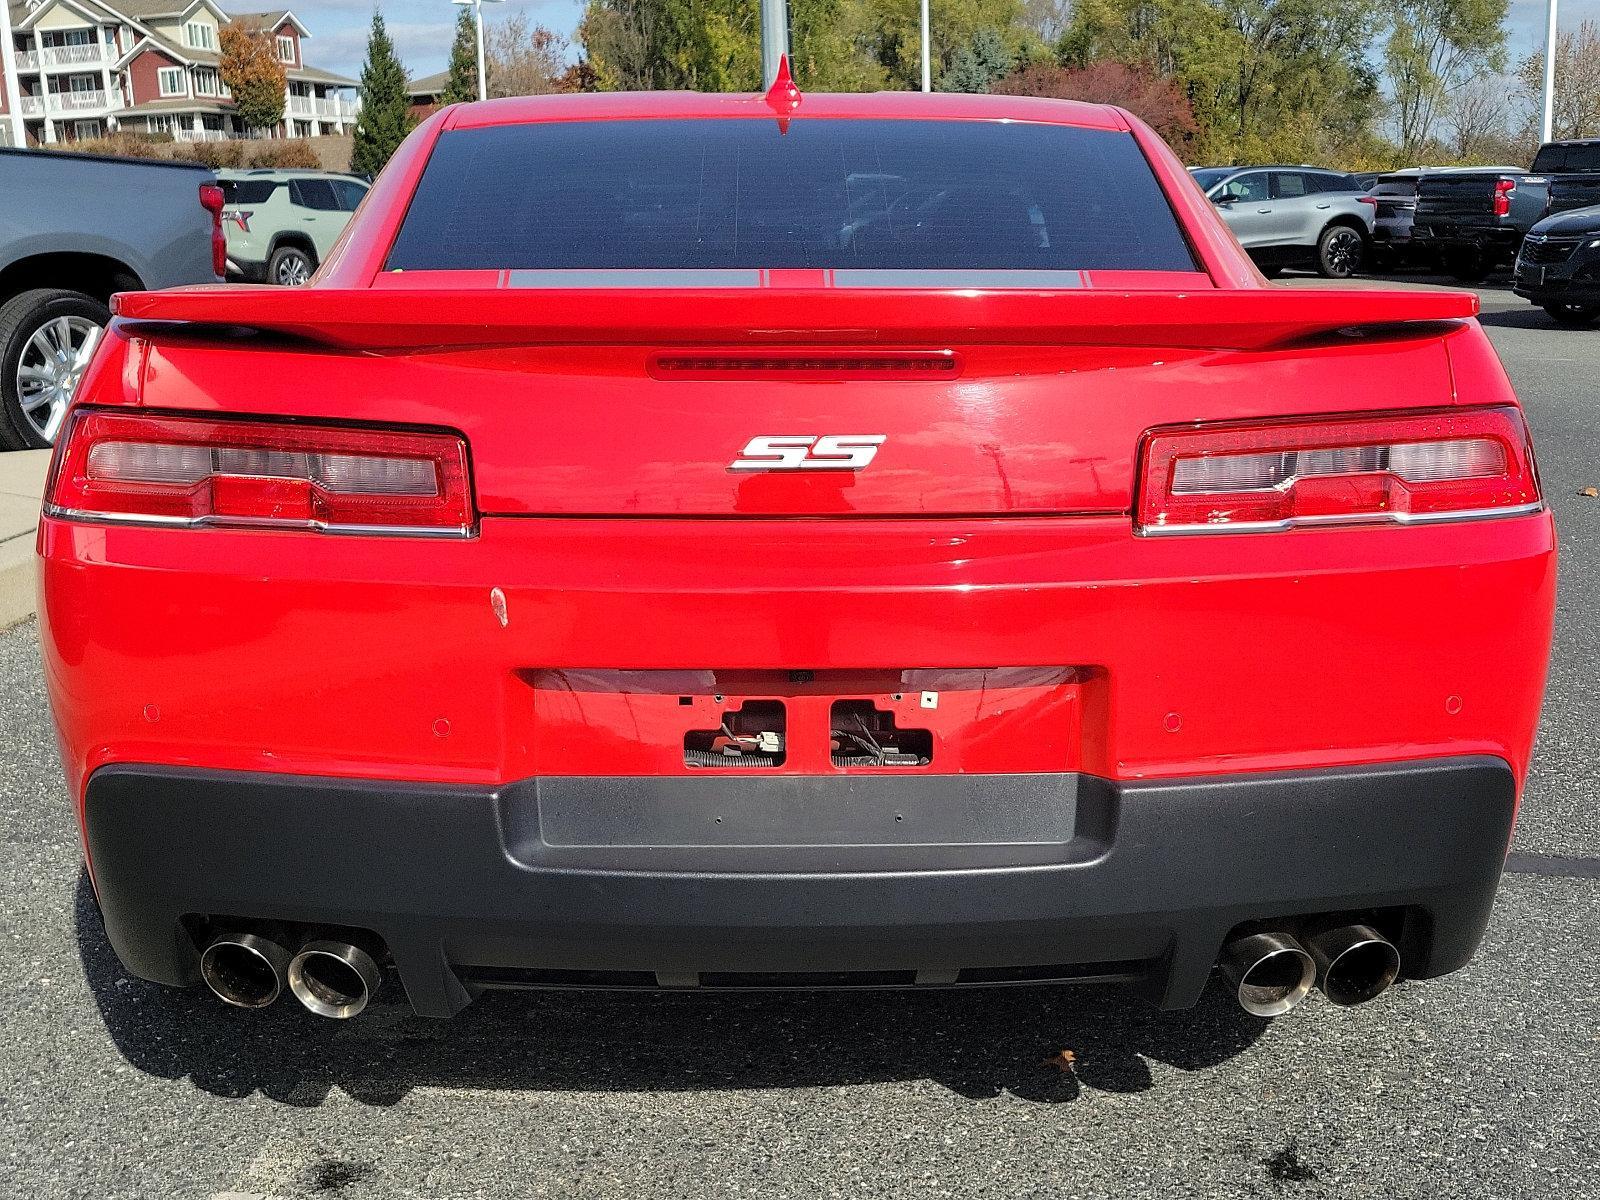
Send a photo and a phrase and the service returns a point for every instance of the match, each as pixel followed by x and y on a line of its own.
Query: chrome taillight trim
pixel 1330 520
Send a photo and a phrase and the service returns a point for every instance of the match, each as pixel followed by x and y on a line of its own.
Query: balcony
pixel 27 60
pixel 74 56
pixel 300 106
pixel 200 135
pixel 33 106
pixel 77 102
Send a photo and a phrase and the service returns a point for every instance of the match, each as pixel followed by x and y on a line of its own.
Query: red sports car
pixel 690 541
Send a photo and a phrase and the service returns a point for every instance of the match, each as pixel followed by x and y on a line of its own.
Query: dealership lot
pixel 1478 1084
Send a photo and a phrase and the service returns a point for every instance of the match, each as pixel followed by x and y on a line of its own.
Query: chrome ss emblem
pixel 830 452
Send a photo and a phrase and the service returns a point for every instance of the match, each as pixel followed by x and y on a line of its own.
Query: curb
pixel 22 475
pixel 17 574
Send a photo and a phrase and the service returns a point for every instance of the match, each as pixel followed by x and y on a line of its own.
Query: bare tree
pixel 1475 119
pixel 1047 18
pixel 523 59
pixel 1577 81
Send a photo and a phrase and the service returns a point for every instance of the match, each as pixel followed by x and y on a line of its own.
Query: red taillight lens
pixel 213 200
pixel 1502 196
pixel 239 218
pixel 198 471
pixel 1400 468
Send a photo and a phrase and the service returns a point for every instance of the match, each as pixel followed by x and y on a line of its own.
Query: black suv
pixel 1559 266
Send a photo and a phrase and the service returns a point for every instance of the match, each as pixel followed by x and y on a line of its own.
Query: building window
pixel 87 129
pixel 161 124
pixel 285 49
pixel 200 35
pixel 170 80
pixel 205 83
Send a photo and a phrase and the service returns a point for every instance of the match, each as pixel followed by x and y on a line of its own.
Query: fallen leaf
pixel 1065 1062
pixel 1591 492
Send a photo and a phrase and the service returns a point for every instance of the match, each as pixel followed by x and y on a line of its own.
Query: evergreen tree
pixel 978 64
pixel 463 82
pixel 385 106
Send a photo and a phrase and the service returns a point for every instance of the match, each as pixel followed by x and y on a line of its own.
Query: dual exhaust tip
pixel 1273 972
pixel 330 976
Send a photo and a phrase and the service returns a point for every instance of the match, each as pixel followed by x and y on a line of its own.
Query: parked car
pixel 1293 216
pixel 1394 203
pixel 1559 266
pixel 1474 218
pixel 1573 168
pixel 280 224
pixel 608 574
pixel 75 228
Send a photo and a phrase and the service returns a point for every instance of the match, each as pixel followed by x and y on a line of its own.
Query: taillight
pixel 1503 189
pixel 1401 468
pixel 239 218
pixel 212 200
pixel 202 471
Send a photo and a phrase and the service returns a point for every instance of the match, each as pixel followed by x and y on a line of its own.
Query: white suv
pixel 280 224
pixel 1294 216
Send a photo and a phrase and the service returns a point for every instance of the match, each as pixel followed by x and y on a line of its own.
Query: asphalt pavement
pixel 1484 1083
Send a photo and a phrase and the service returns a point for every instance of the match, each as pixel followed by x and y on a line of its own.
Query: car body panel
pixel 269 208
pixel 1560 260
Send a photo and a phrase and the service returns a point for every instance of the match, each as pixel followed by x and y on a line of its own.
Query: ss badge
pixel 830 452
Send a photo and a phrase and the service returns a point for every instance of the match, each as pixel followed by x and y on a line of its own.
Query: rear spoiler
pixel 398 318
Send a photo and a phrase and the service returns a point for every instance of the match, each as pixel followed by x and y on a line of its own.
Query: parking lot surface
pixel 1480 1084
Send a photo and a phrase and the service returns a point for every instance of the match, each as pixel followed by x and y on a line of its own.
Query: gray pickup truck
pixel 74 229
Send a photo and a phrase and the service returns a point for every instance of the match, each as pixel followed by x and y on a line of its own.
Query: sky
pixel 422 28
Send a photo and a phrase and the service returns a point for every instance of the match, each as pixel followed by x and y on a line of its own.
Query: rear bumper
pixel 1083 878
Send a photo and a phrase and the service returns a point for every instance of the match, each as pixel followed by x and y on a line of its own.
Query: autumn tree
pixel 462 82
pixel 1434 49
pixel 385 105
pixel 1158 102
pixel 252 72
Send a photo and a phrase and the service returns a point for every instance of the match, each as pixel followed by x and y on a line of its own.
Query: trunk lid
pixel 638 402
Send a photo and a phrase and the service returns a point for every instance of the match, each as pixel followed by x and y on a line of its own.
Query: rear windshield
pixel 247 191
pixel 1585 157
pixel 695 194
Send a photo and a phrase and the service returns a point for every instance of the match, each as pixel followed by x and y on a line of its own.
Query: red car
pixel 692 541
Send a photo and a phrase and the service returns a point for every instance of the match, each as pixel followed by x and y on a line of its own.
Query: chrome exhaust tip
pixel 333 978
pixel 244 969
pixel 1355 963
pixel 1270 972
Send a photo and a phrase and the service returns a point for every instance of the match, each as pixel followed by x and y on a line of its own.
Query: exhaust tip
pixel 1355 963
pixel 244 969
pixel 1270 972
pixel 333 979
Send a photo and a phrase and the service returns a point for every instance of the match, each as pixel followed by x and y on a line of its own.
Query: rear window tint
pixel 1585 157
pixel 247 191
pixel 703 194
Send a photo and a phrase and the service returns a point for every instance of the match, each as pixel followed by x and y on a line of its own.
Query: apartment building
pixel 82 68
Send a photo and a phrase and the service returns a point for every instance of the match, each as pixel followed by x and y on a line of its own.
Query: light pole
pixel 1548 126
pixel 477 16
pixel 927 61
pixel 774 38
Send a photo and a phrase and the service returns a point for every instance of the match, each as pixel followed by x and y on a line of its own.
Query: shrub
pixel 125 145
pixel 1154 99
pixel 216 155
pixel 285 154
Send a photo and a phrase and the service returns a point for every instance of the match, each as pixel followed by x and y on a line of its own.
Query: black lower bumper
pixel 876 879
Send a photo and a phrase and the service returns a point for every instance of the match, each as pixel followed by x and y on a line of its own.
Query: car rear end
pixel 1573 169
pixel 821 547
pixel 257 207
pixel 1394 200
pixel 1476 219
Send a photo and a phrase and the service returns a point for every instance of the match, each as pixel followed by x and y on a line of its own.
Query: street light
pixel 477 16
pixel 1548 125
pixel 927 67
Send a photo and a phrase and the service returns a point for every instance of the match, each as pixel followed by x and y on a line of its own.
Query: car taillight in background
pixel 1503 189
pixel 238 218
pixel 213 200
pixel 1401 468
pixel 194 471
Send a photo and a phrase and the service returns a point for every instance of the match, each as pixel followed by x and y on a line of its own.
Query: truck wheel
pixel 47 337
pixel 1339 252
pixel 290 267
pixel 1573 314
